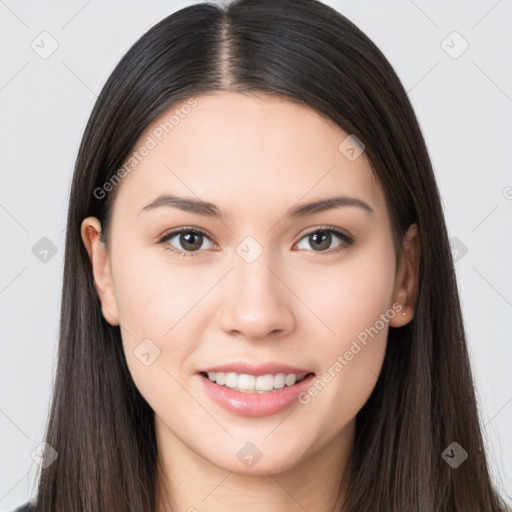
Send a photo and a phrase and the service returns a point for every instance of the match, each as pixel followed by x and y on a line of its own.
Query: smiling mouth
pixel 246 383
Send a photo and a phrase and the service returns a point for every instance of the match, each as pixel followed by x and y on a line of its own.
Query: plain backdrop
pixel 454 59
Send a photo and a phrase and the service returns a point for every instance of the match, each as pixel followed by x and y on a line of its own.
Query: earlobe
pixel 407 278
pixel 98 256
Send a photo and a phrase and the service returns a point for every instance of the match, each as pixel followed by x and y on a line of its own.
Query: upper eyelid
pixel 185 229
pixel 326 228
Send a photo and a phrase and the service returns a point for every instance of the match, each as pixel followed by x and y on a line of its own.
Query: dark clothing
pixel 25 508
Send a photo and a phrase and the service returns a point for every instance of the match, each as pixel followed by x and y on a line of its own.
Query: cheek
pixel 351 296
pixel 153 294
pixel 156 304
pixel 356 305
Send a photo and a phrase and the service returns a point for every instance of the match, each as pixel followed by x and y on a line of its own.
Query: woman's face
pixel 254 280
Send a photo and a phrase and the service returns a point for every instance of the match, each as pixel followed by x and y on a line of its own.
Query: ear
pixel 407 277
pixel 96 249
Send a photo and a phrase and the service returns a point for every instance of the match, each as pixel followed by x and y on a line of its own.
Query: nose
pixel 259 303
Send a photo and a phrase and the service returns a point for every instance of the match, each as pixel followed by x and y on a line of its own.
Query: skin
pixel 254 156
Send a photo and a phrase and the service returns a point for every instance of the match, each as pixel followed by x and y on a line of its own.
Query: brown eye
pixel 186 241
pixel 320 240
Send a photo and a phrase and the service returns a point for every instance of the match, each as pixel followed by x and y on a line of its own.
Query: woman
pixel 259 307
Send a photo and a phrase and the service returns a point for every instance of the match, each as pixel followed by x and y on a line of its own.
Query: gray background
pixel 464 105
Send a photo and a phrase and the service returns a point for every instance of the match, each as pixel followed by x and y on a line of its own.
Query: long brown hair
pixel 306 52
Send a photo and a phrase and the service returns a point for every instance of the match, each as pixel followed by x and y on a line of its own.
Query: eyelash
pixel 344 245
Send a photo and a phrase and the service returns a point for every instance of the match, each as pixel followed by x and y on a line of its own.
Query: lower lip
pixel 255 404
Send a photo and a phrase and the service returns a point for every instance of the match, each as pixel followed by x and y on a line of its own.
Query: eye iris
pixel 187 241
pixel 320 237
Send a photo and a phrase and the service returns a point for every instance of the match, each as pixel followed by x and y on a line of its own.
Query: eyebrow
pixel 208 209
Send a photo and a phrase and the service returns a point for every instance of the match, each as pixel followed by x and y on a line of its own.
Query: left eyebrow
pixel 208 209
pixel 328 203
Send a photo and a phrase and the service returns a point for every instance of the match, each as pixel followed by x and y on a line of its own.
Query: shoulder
pixel 27 507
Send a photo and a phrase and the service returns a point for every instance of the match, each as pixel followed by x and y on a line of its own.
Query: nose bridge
pixel 258 302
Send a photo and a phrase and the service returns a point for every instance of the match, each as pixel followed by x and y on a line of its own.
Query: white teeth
pixel 290 379
pixel 250 383
pixel 246 381
pixel 263 383
pixel 231 380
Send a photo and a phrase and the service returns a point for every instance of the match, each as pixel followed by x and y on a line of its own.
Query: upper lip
pixel 256 369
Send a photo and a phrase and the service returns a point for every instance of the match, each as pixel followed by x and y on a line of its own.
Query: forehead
pixel 243 152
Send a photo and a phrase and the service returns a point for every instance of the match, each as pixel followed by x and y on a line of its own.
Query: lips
pixel 256 369
pixel 253 404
